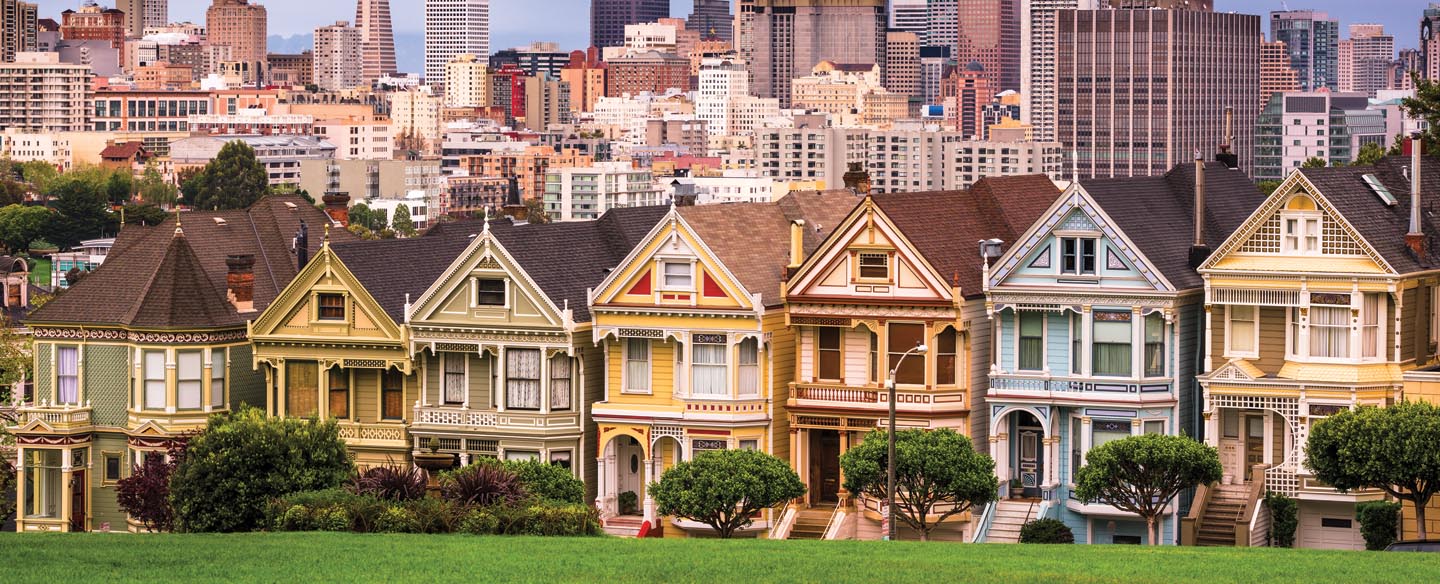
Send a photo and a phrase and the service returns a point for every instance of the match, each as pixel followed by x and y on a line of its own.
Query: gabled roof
pixel 1156 213
pixel 123 150
pixel 118 292
pixel 1384 226
pixel 753 239
pixel 944 226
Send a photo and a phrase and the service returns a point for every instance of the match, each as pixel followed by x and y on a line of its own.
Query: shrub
pixel 296 518
pixel 324 510
pixel 482 484
pixel 397 520
pixel 548 482
pixel 391 482
pixel 564 520
pixel 1378 523
pixel 629 502
pixel 244 459
pixel 480 522
pixel 145 494
pixel 434 515
pixel 725 489
pixel 1046 531
pixel 1284 516
pixel 7 482
pixel 333 519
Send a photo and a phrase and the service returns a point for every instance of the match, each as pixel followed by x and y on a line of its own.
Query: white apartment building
pixel 38 93
pixel 573 194
pixel 454 27
pixel 50 147
pixel 743 186
pixel 281 155
pixel 358 138
pixel 723 99
pixel 415 117
pixel 467 82
pixel 928 159
pixel 336 61
pixel 807 147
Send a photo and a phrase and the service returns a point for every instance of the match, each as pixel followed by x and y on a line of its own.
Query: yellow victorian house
pixel 696 351
pixel 1316 304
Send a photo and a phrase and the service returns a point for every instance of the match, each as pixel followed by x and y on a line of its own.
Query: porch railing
pixel 59 417
pixel 836 394
pixel 1245 520
pixel 373 432
pixel 447 416
pixel 987 516
pixel 1078 385
pixel 1190 524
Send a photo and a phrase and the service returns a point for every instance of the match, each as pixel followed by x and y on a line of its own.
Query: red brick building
pixel 651 71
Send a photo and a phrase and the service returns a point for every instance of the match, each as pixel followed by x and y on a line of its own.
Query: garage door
pixel 1329 526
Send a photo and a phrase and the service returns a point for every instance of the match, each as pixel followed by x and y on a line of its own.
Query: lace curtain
pixel 522 379
pixel 454 383
pixel 560 382
pixel 708 369
pixel 749 371
pixel 154 380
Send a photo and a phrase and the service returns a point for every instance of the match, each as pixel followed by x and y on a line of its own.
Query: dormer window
pixel 331 306
pixel 875 266
pixel 1077 255
pixel 490 292
pixel 679 276
pixel 1302 234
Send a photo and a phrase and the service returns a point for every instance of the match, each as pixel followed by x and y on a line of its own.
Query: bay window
pixel 153 365
pixel 560 382
pixel 1242 331
pixel 1154 345
pixel 708 365
pixel 945 361
pixel 1110 349
pixel 302 391
pixel 453 380
pixel 44 483
pixel 1032 340
pixel 522 379
pixel 338 390
pixel 1330 331
pixel 637 365
pixel 217 378
pixel 903 337
pixel 67 375
pixel 830 363
pixel 1370 327
pixel 189 382
pixel 749 367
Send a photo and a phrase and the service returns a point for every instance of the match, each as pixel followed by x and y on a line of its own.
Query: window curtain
pixel 188 374
pixel 945 362
pixel 1370 326
pixel 154 380
pixel 708 370
pixel 454 384
pixel 560 382
pixel 1154 345
pixel 1032 340
pixel 69 375
pixel 217 378
pixel 830 353
pixel 302 393
pixel 1241 335
pixel 1111 348
pixel 749 367
pixel 1330 331
pixel 522 379
pixel 904 337
pixel 1077 330
pixel 637 364
pixel 339 391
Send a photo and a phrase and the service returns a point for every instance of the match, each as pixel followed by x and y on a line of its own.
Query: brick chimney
pixel 240 282
pixel 515 207
pixel 856 179
pixel 337 206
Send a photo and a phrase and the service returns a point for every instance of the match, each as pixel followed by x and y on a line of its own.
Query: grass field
pixel 330 557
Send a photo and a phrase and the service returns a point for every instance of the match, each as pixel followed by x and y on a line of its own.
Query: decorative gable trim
pixel 485 252
pixel 300 289
pixel 835 249
pixel 638 262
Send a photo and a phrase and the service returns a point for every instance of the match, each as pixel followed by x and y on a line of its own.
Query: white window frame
pixel 628 380
pixel 1296 243
pixel 860 263
pixel 216 385
pixel 475 292
pixel 1044 340
pixel 697 367
pixel 196 384
pixel 1079 255
pixel 146 380
pixel 665 275
pixel 1230 350
pixel 747 389
pixel 60 375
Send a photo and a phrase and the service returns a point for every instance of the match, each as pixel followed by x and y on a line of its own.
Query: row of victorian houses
pixel 1056 319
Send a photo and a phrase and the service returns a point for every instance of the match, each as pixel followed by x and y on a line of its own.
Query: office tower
pixel 942 23
pixel 142 14
pixel 712 19
pixel 1276 76
pixel 1141 91
pixel 988 32
pixel 969 89
pixel 792 36
pixel 609 17
pixel 1397 75
pixel 93 23
pixel 1364 58
pixel 902 62
pixel 910 16
pixel 240 25
pixel 1429 45
pixel 18 34
pixel 338 49
pixel 745 29
pixel 1037 61
pixel 1313 40
pixel 1330 125
pixel 372 18
pixel 454 27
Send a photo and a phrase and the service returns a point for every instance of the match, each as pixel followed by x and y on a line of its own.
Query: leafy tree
pixel 191 179
pixel 1313 162
pixel 1268 186
pixel 1391 449
pixel 81 211
pixel 146 214
pixel 22 224
pixel 1143 474
pixel 233 180
pixel 1379 521
pixel 402 223
pixel 1283 519
pixel 361 214
pixel 7 486
pixel 145 494
pixel 1371 153
pixel 16 365
pixel 119 186
pixel 154 189
pixel 932 468
pixel 535 212
pixel 13 187
pixel 39 174
pixel 548 482
pixel 1425 105
pixel 243 459
pixel 725 488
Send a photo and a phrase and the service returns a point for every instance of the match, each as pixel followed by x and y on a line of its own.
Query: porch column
pixel 1084 439
pixel 20 486
pixel 1268 456
pixel 600 483
pixel 323 385
pixel 67 473
pixel 843 494
pixel 1212 427
pixel 1001 442
pixel 170 383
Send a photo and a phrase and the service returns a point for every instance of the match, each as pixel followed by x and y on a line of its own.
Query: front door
pixel 1254 444
pixel 824 466
pixel 77 500
pixel 630 458
pixel 1032 465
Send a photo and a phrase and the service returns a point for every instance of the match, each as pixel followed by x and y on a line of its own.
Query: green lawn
pixel 350 558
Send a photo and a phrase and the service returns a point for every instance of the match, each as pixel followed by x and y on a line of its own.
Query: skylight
pixel 1380 190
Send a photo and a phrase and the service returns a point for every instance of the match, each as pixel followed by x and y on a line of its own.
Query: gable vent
pixel 1379 189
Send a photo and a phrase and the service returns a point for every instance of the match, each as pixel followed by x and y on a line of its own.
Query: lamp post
pixel 890 457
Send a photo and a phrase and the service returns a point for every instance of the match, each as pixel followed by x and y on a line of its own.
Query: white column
pixel 1268 455
pixel 1087 321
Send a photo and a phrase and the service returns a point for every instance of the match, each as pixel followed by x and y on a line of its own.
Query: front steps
pixel 1010 515
pixel 1217 526
pixel 624 525
pixel 811 523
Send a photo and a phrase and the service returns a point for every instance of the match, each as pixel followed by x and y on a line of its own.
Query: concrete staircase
pixel 624 525
pixel 811 523
pixel 1217 526
pixel 1010 514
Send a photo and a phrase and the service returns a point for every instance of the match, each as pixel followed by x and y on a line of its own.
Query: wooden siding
pixel 976 325
pixel 1189 331
pixel 781 361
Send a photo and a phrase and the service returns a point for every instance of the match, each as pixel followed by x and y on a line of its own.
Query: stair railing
pixel 982 527
pixel 1252 500
pixel 1190 524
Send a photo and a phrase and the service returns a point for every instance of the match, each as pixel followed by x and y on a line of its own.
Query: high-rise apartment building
pixel 241 26
pixel 1037 61
pixel 1364 58
pixel 942 25
pixel 967 90
pixel 18 33
pixel 910 16
pixel 1429 45
pixel 609 17
pixel 38 93
pixel 723 100
pixel 790 37
pixel 988 32
pixel 1276 75
pixel 1332 126
pixel 467 82
pixel 902 62
pixel 1313 39
pixel 338 49
pixel 1407 61
pixel 547 101
pixel 372 18
pixel 93 23
pixel 1140 91
pixel 143 14
pixel 651 71
pixel 586 75
pixel 454 27
pixel 712 19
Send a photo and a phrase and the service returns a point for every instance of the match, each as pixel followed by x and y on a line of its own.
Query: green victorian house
pixel 143 350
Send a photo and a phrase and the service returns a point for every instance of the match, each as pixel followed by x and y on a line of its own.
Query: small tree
pixel 154 189
pixel 932 468
pixel 145 494
pixel 1143 474
pixel 1313 162
pixel 402 223
pixel 22 224
pixel 81 209
pixel 233 180
pixel 535 211
pixel 1392 449
pixel 725 488
pixel 548 482
pixel 1370 153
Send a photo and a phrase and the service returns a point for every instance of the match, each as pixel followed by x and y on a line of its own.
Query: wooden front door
pixel 1254 444
pixel 630 458
pixel 824 466
pixel 77 501
pixel 1032 464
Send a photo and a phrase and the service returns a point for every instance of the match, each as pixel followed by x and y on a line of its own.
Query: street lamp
pixel 890 458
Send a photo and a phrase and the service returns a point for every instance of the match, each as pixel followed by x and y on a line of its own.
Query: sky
pixel 517 22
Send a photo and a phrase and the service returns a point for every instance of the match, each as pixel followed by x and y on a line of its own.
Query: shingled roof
pixel 1157 213
pixel 945 225
pixel 753 239
pixel 154 278
pixel 1384 226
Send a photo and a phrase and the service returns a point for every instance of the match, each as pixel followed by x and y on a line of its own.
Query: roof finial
pixel 325 238
pixel 486 228
pixel 178 231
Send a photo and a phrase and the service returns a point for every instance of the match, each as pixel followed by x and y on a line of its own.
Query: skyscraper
pixel 338 47
pixel 1429 45
pixel 239 25
pixel 790 37
pixel 1364 58
pixel 1313 40
pixel 942 24
pixel 454 27
pixel 142 14
pixel 910 16
pixel 609 17
pixel 712 18
pixel 1143 90
pixel 372 19
pixel 1276 76
pixel 1037 61
pixel 18 24
pixel 988 32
